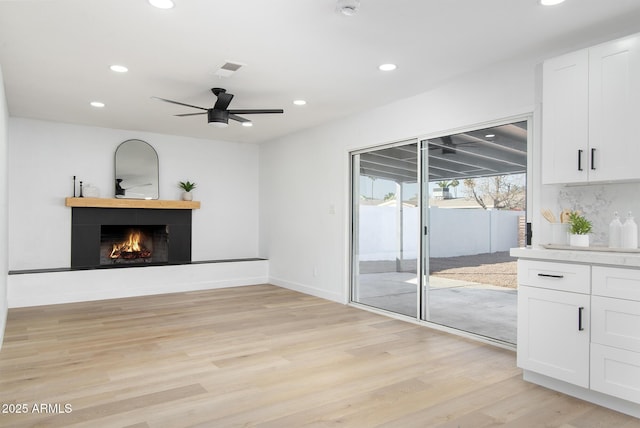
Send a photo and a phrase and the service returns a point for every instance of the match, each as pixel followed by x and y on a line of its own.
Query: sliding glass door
pixel 474 189
pixel 432 224
pixel 385 233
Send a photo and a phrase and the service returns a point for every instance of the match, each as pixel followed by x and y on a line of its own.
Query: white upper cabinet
pixel 614 109
pixel 591 102
pixel 565 118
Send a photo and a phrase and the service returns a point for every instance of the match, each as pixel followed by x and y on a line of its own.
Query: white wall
pixel 44 156
pixel 4 258
pixel 304 178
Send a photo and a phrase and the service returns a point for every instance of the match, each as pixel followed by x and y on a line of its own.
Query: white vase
pixel 559 233
pixel 579 240
pixel 187 196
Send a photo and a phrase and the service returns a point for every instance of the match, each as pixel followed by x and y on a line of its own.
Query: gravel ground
pixel 494 268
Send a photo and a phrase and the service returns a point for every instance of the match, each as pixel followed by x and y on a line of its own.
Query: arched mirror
pixel 136 166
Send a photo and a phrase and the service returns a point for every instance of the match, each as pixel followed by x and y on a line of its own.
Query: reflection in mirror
pixel 136 170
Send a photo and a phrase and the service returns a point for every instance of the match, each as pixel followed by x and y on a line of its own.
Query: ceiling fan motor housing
pixel 218 117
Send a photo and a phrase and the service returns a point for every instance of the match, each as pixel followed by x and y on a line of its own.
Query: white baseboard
pixel 306 289
pixel 47 288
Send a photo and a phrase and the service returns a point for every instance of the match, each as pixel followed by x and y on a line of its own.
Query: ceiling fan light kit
pixel 218 118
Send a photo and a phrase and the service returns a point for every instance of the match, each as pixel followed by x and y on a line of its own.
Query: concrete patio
pixel 482 309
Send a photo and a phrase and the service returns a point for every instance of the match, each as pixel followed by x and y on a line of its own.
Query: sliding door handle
pixel 593 159
pixel 580 311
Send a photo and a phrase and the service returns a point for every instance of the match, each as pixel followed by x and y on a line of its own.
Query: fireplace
pixel 133 244
pixel 127 237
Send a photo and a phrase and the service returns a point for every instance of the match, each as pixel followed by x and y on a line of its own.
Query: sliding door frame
pixel 423 236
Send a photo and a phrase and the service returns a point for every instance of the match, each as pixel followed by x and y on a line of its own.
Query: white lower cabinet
pixel 615 337
pixel 615 372
pixel 616 322
pixel 580 324
pixel 553 334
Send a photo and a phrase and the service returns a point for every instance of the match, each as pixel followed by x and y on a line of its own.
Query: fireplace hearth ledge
pixel 72 269
pixel 69 286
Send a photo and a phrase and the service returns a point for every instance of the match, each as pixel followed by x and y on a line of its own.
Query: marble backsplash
pixel 598 202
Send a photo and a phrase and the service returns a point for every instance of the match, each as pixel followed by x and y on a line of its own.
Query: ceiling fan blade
pixel 179 103
pixel 238 118
pixel 254 111
pixel 224 99
pixel 190 114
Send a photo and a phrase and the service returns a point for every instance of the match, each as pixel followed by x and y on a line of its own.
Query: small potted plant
pixel 187 186
pixel 579 229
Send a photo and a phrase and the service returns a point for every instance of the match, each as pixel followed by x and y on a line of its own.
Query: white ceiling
pixel 55 55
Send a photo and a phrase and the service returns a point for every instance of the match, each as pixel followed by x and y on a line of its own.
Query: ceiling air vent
pixel 228 68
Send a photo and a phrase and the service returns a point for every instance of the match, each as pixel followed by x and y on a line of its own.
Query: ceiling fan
pixel 219 115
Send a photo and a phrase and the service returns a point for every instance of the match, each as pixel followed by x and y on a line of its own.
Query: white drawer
pixel 616 282
pixel 555 276
pixel 615 372
pixel 615 322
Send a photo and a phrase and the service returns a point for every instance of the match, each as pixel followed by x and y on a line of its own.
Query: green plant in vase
pixel 579 229
pixel 187 186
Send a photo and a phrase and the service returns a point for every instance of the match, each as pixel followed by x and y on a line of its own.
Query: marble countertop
pixel 591 256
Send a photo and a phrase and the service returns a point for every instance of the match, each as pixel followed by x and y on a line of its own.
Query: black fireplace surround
pixel 87 227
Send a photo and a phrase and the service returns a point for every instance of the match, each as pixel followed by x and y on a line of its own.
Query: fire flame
pixel 130 248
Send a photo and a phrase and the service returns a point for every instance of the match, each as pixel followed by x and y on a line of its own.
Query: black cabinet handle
pixel 548 275
pixel 579 160
pixel 580 310
pixel 593 159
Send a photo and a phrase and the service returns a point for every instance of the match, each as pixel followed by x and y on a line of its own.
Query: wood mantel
pixel 131 203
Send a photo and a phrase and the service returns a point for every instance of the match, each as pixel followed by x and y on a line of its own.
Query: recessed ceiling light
pixel 387 67
pixel 550 2
pixel 489 135
pixel 299 102
pixel 119 68
pixel 97 104
pixel 247 124
pixel 162 4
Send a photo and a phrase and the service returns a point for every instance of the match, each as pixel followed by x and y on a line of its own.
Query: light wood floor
pixel 263 356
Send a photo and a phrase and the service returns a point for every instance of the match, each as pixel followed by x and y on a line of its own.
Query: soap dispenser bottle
pixel 630 233
pixel 615 232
